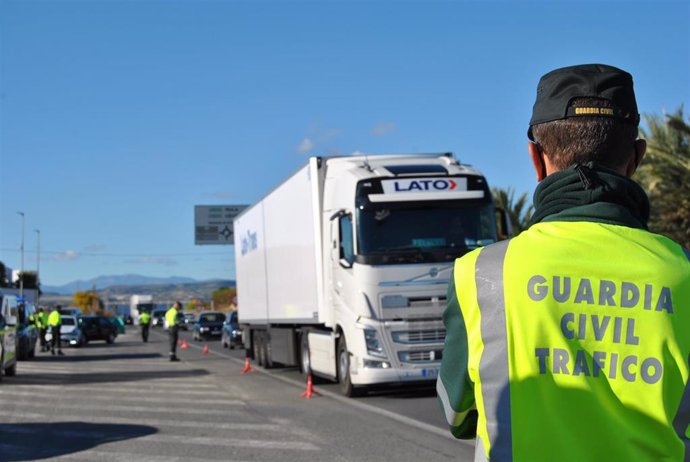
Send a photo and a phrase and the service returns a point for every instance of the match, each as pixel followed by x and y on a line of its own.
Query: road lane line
pixel 16 418
pixel 153 410
pixel 48 395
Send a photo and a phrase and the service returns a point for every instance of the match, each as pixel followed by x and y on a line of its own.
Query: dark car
pixel 232 335
pixel 97 328
pixel 27 332
pixel 209 324
pixel 181 321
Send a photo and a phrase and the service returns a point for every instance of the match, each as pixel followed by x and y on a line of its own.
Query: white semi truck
pixel 138 304
pixel 343 268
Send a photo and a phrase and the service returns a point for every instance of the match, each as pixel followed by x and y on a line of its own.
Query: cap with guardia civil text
pixel 558 88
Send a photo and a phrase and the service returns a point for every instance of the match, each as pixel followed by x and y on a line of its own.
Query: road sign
pixel 213 224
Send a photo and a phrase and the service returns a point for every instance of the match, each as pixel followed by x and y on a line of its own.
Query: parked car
pixel 180 321
pixel 209 324
pixel 27 332
pixel 189 320
pixel 8 335
pixel 232 335
pixel 98 328
pixel 70 331
pixel 158 317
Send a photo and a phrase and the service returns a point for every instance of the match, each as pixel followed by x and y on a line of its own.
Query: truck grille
pixel 419 336
pixel 420 356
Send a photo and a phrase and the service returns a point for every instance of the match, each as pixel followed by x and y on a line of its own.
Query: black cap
pixel 558 88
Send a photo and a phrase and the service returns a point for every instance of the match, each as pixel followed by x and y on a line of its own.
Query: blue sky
pixel 118 117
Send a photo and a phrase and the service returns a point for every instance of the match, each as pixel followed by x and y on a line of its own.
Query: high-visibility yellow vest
pixel 43 319
pixel 171 317
pixel 54 319
pixel 578 339
pixel 144 318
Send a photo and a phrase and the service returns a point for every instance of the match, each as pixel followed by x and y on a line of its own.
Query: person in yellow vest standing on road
pixel 43 327
pixel 54 322
pixel 144 324
pixel 172 321
pixel 570 342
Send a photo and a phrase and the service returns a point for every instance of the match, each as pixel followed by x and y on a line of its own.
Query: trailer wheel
pixel 256 351
pixel 346 387
pixel 261 347
pixel 305 360
pixel 268 353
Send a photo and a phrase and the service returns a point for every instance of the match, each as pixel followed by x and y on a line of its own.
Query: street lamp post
pixel 38 263
pixel 21 268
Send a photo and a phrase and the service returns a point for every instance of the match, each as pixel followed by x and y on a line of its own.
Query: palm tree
pixel 665 175
pixel 519 211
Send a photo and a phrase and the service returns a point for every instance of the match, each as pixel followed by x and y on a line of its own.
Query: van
pixel 8 335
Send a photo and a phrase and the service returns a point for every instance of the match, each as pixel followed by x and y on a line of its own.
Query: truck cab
pixel 396 228
pixel 8 335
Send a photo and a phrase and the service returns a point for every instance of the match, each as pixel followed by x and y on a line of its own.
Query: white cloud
pixel 68 255
pixel 383 129
pixel 305 146
pixel 318 137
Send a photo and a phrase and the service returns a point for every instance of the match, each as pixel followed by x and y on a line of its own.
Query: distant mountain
pixel 103 282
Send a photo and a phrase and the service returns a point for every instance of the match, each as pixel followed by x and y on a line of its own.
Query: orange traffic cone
pixel 309 392
pixel 247 366
pixel 185 345
pixel 204 350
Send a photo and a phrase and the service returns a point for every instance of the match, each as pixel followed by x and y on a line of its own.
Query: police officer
pixel 54 322
pixel 145 323
pixel 570 342
pixel 173 328
pixel 42 327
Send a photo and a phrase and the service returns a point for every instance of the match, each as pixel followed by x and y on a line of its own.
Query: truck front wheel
pixel 346 387
pixel 305 361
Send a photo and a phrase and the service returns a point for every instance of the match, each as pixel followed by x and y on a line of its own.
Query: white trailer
pixel 343 268
pixel 138 304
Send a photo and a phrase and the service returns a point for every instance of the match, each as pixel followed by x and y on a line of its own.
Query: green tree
pixel 4 282
pixel 519 210
pixel 224 297
pixel 665 175
pixel 30 279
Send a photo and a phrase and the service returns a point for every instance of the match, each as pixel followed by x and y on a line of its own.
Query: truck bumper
pixel 375 375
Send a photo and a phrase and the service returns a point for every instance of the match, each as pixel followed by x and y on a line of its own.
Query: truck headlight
pixel 374 364
pixel 374 346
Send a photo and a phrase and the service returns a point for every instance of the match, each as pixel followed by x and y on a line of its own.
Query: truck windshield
pixel 423 233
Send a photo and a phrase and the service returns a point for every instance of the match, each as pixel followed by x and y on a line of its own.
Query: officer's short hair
pixel 603 140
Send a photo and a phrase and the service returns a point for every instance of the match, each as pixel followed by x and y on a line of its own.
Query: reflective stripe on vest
pixel 681 422
pixel 493 365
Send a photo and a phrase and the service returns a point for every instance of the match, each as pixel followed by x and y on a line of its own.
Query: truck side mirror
pixel 504 228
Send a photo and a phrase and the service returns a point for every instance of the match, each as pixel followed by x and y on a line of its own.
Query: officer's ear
pixel 537 156
pixel 639 148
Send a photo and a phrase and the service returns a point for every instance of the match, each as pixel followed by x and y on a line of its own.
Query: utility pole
pixel 21 268
pixel 38 263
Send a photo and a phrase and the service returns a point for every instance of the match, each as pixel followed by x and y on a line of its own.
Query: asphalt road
pixel 127 402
